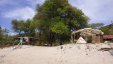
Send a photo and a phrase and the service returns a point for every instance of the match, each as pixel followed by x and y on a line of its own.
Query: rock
pixel 81 41
pixel 111 51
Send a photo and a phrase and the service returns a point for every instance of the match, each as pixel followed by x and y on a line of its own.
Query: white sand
pixel 70 54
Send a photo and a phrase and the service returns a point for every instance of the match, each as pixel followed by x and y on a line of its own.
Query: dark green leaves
pixel 60 28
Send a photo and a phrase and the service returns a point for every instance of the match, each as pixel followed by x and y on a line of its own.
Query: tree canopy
pixel 60 10
pixel 96 25
pixel 107 29
pixel 59 17
pixel 24 28
pixel 54 19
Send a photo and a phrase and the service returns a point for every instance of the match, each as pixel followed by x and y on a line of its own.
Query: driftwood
pixel 110 50
pixel 105 49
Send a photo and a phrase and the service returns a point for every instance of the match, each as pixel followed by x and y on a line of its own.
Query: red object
pixel 108 36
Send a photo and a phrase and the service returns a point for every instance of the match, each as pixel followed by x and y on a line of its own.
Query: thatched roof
pixel 88 31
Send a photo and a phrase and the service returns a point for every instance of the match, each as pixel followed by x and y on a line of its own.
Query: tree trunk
pixel 50 38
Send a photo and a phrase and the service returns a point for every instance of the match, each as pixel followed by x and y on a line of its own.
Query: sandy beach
pixel 65 54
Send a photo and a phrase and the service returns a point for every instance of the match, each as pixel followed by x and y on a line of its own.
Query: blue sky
pixel 96 10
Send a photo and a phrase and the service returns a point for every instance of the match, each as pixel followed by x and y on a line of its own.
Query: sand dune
pixel 69 54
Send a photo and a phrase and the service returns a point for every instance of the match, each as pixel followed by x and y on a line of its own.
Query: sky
pixel 97 10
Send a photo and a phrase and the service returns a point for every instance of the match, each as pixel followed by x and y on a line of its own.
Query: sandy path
pixel 70 54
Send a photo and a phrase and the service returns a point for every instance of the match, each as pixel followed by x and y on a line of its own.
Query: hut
pixel 22 40
pixel 90 35
pixel 108 37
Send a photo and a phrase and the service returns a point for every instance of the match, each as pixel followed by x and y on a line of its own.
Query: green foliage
pixel 0 33
pixel 7 40
pixel 24 28
pixel 107 29
pixel 52 9
pixel 59 17
pixel 54 20
pixel 60 28
pixel 96 25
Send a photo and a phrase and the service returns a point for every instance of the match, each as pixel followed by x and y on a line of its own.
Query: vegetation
pixel 54 21
pixel 107 29
pixel 0 33
pixel 57 18
pixel 5 39
pixel 96 25
pixel 24 28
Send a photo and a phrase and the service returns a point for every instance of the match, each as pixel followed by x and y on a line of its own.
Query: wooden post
pixel 72 37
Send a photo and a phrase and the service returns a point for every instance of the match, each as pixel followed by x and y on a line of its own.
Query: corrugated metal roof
pixel 108 36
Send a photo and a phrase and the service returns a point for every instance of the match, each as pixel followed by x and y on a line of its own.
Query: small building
pixel 90 35
pixel 108 37
pixel 23 40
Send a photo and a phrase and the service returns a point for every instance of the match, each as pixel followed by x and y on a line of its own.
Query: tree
pixel 0 33
pixel 3 32
pixel 17 26
pixel 59 17
pixel 96 25
pixel 24 28
pixel 107 29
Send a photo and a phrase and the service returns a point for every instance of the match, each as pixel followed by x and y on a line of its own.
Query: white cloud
pixel 20 13
pixel 96 10
pixel 12 33
pixel 35 2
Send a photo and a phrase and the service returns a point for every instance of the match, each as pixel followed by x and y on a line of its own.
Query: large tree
pixel 58 17
pixel 24 28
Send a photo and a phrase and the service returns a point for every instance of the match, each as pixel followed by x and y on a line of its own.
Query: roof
pixel 108 36
pixel 24 37
pixel 88 31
